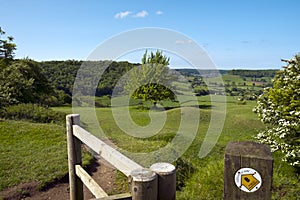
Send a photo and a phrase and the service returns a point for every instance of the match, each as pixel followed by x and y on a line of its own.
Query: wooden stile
pixel 144 182
pixel 251 158
pixel 114 157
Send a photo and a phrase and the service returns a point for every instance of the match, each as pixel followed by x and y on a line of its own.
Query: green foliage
pixel 184 170
pixel 201 90
pixel 62 74
pixel 22 82
pixel 7 47
pixel 199 86
pixel 279 109
pixel 151 81
pixel 111 76
pixel 33 113
pixel 103 101
pixel 245 84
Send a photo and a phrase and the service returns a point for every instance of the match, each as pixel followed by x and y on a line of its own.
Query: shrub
pixel 279 109
pixel 33 113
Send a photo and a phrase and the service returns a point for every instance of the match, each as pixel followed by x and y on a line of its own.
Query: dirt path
pixel 103 173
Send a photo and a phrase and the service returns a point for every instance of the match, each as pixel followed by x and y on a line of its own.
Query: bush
pixel 279 109
pixel 33 113
pixel 102 101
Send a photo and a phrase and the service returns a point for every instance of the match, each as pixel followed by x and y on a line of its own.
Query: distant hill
pixel 253 73
pixel 202 72
pixel 208 73
pixel 62 74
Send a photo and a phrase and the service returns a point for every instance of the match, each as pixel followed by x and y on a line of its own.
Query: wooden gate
pixel 158 182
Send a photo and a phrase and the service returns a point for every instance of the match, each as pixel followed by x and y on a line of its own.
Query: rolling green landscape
pixel 201 178
pixel 211 87
pixel 32 151
pixel 36 97
pixel 37 152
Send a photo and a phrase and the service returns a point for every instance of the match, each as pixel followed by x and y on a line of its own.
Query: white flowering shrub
pixel 279 109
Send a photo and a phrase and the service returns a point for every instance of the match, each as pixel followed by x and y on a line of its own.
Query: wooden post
pixel 74 158
pixel 166 180
pixel 248 171
pixel 143 184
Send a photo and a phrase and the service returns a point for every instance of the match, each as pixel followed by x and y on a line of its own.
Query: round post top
pixel 143 175
pixel 163 168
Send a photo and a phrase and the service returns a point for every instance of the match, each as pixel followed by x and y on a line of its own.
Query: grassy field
pixel 200 178
pixel 37 152
pixel 32 152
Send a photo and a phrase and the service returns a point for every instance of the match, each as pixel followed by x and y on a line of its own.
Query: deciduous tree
pixel 22 82
pixel 151 80
pixel 7 47
pixel 279 109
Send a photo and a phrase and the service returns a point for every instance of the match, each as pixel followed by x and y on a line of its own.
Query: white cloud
pixel 159 12
pixel 183 42
pixel 141 14
pixel 121 15
pixel 179 42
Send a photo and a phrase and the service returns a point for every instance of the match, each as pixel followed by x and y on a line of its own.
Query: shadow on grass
pixel 165 108
pixel 89 163
pixel 202 106
pixel 184 170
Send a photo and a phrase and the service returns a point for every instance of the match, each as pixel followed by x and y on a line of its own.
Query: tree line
pixel 51 82
pixel 253 73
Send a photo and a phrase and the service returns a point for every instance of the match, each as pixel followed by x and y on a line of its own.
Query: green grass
pixel 201 178
pixel 32 152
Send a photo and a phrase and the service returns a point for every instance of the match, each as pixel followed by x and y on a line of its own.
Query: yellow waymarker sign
pixel 249 181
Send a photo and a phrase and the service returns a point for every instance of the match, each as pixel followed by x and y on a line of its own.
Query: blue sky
pixel 235 34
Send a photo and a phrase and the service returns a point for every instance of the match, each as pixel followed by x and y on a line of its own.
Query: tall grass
pixel 32 113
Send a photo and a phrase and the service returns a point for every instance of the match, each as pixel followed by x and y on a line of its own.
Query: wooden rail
pixel 159 182
pixel 118 160
pixel 96 190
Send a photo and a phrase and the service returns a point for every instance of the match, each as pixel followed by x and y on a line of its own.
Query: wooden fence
pixel 248 170
pixel 158 182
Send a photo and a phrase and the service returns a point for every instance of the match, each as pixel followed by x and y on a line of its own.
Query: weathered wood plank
pixel 124 196
pixel 118 160
pixel 89 182
pixel 246 159
pixel 74 157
